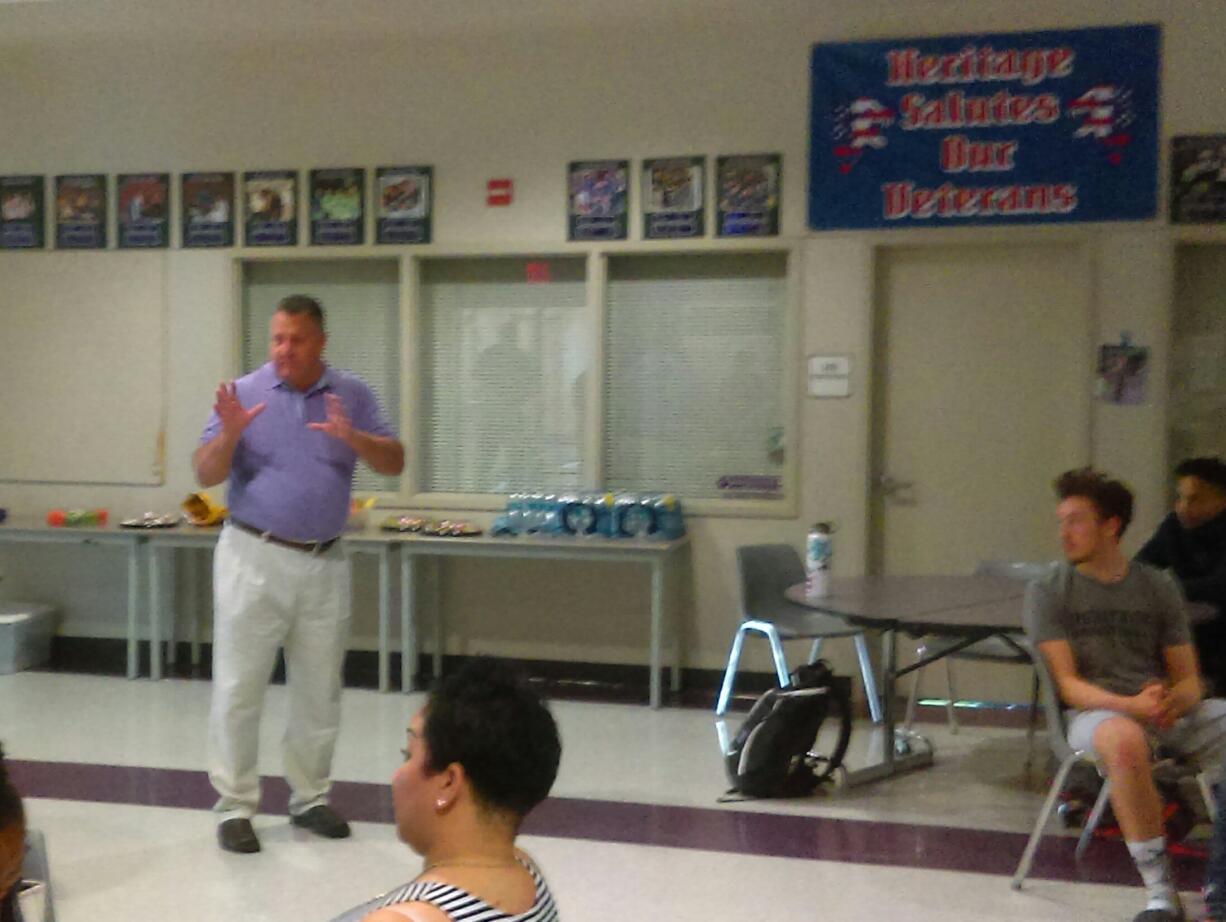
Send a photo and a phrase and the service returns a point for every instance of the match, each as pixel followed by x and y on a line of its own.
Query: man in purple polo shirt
pixel 286 438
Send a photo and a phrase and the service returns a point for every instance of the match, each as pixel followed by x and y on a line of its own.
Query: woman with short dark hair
pixel 482 752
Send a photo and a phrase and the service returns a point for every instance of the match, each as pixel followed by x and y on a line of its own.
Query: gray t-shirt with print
pixel 1118 631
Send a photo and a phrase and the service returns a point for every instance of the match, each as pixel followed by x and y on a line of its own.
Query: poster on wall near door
pixel 208 209
pixel 673 198
pixel 1198 179
pixel 142 210
pixel 404 204
pixel 338 217
pixel 747 195
pixel 1004 128
pixel 80 212
pixel 22 215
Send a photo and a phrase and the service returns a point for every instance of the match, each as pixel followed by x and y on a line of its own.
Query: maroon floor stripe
pixel 723 829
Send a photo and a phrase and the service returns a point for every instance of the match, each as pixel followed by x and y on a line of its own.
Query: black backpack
pixel 772 754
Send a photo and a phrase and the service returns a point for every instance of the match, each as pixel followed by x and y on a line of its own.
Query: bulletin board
pixel 83 358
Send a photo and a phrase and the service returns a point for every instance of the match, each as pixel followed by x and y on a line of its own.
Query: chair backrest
pixel 1013 569
pixel 765 571
pixel 1053 708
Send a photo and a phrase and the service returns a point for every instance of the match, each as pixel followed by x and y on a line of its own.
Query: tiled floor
pixel 113 772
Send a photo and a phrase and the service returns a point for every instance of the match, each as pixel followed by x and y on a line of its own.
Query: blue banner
pixel 1010 128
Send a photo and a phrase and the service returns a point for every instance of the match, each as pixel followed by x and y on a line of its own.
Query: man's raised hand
pixel 337 423
pixel 233 417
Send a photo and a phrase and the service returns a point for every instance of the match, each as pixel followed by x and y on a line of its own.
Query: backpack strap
pixel 820 677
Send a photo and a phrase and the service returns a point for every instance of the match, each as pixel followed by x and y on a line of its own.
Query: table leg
pixel 678 609
pixel 155 613
pixel 657 617
pixel 169 593
pixel 191 558
pixel 408 622
pixel 385 615
pixel 889 655
pixel 134 569
pixel 891 763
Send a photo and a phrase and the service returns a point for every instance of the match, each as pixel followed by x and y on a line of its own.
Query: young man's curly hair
pixel 1111 498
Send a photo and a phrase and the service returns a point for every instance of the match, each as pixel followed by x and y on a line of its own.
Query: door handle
pixel 899 491
pixel 889 485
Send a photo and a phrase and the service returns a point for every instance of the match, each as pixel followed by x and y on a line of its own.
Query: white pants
pixel 266 596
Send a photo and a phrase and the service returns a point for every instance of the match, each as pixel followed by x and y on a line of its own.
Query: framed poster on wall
pixel 404 204
pixel 80 212
pixel 747 195
pixel 338 217
pixel 270 208
pixel 597 199
pixel 1198 179
pixel 142 210
pixel 208 209
pixel 674 197
pixel 22 213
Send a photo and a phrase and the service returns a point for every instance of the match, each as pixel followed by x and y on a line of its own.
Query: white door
pixel 981 397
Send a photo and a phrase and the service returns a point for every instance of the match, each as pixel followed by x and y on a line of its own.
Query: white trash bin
pixel 26 629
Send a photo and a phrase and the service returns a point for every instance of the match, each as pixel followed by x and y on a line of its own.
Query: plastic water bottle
pixel 819 552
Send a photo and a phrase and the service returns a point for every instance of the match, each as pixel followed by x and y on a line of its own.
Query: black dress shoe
pixel 323 821
pixel 236 835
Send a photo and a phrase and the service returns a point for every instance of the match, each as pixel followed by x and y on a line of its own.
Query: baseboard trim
pixel 621 683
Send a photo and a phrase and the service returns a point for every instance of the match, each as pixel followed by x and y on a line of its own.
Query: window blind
pixel 694 371
pixel 505 364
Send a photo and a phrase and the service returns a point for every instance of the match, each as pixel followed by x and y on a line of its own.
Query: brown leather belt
pixel 307 547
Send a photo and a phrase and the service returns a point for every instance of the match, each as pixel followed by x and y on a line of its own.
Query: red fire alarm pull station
pixel 498 192
pixel 536 272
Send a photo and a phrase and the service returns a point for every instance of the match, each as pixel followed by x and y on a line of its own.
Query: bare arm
pixel 1076 692
pixel 1185 690
pixel 212 460
pixel 383 454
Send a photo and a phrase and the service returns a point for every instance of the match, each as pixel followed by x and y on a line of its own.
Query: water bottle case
pixel 635 519
pixel 626 515
pixel 579 518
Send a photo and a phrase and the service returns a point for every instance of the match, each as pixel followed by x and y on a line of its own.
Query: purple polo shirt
pixel 286 479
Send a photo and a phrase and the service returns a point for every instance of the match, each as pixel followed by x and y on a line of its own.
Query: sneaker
pixel 238 836
pixel 323 821
pixel 1175 914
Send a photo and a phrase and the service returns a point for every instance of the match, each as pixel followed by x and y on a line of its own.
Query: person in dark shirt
pixel 1191 542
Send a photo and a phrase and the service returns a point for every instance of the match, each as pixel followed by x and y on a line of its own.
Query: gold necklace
pixel 460 863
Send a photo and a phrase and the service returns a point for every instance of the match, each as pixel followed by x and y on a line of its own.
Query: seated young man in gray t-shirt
pixel 1116 640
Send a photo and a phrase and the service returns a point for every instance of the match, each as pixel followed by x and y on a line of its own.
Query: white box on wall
pixel 829 376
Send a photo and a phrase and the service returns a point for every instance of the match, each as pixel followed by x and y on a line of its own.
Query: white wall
pixel 519 95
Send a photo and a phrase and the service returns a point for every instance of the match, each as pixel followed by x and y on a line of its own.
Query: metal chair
pixel 991 649
pixel 765 571
pixel 1057 735
pixel 36 903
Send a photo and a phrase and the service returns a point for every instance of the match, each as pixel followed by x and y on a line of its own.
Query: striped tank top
pixel 462 906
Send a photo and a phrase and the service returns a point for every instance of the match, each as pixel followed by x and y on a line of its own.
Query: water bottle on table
pixel 819 553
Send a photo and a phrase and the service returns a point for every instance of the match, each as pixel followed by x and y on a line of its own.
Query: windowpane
pixel 505 365
pixel 694 358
